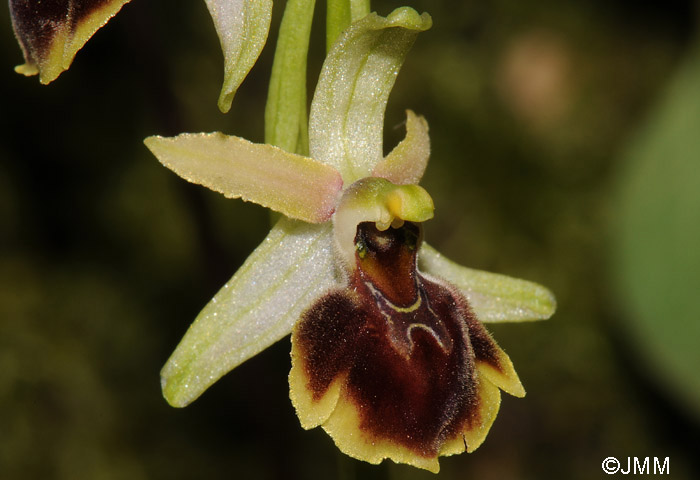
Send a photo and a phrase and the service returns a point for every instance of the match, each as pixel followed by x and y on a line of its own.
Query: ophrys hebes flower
pixel 389 355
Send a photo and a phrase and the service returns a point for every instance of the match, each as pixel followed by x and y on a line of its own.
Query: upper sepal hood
pixel 346 121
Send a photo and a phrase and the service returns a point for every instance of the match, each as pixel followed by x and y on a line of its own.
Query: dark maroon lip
pixel 407 346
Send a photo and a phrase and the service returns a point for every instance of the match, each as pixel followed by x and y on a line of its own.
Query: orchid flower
pixel 389 354
pixel 50 34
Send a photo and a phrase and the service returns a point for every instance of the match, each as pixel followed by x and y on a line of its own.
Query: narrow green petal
pixel 286 125
pixel 242 26
pixel 493 297
pixel 406 163
pixel 51 33
pixel 347 112
pixel 296 186
pixel 256 308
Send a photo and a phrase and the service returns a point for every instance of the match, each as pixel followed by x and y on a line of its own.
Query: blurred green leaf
pixel 657 237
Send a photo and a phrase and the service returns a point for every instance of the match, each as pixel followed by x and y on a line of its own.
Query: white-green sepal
pixel 347 112
pixel 492 297
pixel 256 308
pixel 294 185
pixel 242 26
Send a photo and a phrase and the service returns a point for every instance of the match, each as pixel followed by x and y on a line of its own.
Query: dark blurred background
pixel 565 151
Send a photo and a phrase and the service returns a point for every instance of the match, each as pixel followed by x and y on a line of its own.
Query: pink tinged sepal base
pixel 51 32
pixel 395 365
pixel 297 186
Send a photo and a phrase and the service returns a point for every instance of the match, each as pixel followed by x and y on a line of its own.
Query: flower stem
pixel 340 14
pixel 286 123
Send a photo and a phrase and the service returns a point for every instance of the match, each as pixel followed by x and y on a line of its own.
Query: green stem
pixel 286 124
pixel 359 9
pixel 340 14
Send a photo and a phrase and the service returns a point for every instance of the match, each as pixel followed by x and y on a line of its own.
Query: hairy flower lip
pixel 369 365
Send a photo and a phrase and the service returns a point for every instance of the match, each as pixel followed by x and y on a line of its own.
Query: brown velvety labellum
pixel 406 346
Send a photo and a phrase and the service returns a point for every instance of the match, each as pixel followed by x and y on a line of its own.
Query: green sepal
pixel 493 297
pixel 296 186
pixel 256 308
